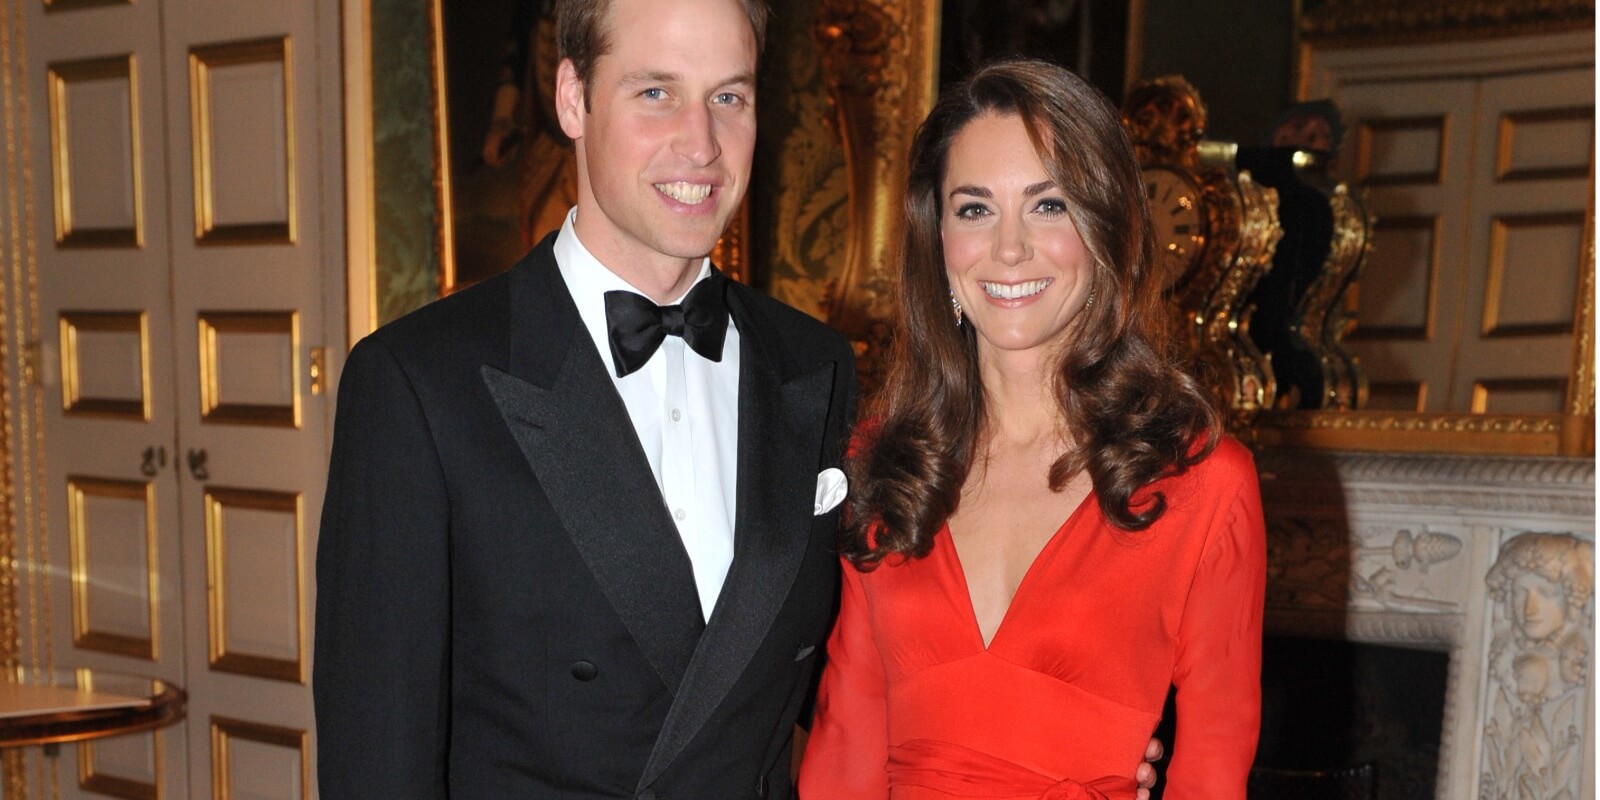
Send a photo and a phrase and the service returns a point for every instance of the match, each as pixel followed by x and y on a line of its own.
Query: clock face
pixel 1179 223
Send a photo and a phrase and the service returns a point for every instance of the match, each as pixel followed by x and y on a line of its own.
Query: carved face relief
pixel 1538 606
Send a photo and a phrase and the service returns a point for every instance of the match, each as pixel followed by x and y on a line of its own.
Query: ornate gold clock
pixel 1215 233
pixel 1179 226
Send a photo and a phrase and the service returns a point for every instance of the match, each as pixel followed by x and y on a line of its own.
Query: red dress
pixel 1061 703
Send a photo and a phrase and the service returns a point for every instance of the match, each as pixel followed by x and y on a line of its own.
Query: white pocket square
pixel 830 489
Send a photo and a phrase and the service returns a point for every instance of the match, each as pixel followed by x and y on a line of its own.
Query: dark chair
pixel 1359 782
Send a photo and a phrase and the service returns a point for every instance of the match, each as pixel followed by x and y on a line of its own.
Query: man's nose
pixel 696 138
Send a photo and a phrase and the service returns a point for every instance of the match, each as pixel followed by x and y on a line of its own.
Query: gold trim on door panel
pixel 1505 170
pixel 223 658
pixel 77 5
pixel 90 780
pixel 79 488
pixel 1482 390
pixel 223 729
pixel 1418 333
pixel 60 76
pixel 72 399
pixel 1500 228
pixel 201 61
pixel 1438 123
pixel 212 407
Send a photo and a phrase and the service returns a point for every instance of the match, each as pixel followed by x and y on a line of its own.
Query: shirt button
pixel 585 671
pixel 676 415
pixel 680 515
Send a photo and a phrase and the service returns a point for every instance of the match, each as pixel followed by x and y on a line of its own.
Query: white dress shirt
pixel 685 409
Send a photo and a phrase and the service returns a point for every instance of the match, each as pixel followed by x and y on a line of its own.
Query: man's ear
pixel 570 106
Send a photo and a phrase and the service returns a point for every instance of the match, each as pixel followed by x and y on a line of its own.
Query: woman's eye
pixel 1052 206
pixel 971 211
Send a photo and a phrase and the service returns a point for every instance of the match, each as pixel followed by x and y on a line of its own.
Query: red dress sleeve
pixel 1218 668
pixel 848 752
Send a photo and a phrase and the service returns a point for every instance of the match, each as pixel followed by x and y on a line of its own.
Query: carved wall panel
pixel 250 367
pixel 105 364
pixel 1544 145
pixel 242 125
pixel 250 760
pixel 1490 558
pixel 95 152
pixel 255 546
pixel 1537 732
pixel 112 530
pixel 126 766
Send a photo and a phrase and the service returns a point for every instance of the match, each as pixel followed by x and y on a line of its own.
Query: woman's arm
pixel 848 753
pixel 1218 671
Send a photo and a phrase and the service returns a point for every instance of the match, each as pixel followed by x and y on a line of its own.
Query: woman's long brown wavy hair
pixel 1134 411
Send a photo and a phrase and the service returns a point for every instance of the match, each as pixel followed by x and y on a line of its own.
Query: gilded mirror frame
pixel 1369 23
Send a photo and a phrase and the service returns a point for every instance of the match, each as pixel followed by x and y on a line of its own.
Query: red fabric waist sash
pixel 963 772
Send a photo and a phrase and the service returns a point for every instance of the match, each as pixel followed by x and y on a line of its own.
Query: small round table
pixel 49 707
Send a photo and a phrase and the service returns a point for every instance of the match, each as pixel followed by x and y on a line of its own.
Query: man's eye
pixel 729 99
pixel 654 94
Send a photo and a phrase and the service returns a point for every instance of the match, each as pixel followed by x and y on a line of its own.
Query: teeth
pixel 685 192
pixel 1014 291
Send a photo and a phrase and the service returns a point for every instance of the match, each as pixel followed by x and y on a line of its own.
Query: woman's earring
pixel 1089 301
pixel 955 305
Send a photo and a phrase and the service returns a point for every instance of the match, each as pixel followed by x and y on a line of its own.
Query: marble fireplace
pixel 1487 558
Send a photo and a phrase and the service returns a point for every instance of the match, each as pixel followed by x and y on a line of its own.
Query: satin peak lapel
pixel 576 436
pixel 778 462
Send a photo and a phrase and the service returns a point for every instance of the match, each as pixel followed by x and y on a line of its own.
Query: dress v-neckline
pixel 1027 576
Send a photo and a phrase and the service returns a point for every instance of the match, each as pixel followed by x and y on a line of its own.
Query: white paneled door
pixel 1478 158
pixel 187 229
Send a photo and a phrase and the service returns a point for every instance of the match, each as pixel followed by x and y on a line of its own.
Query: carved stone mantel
pixel 1488 558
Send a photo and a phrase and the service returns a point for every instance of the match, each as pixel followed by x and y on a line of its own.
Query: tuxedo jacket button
pixel 585 671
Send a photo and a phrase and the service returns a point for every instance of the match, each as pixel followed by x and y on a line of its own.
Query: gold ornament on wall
pixel 878 60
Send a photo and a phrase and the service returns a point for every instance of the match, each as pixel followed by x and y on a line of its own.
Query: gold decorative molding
pixel 60 77
pixel 1434 226
pixel 213 408
pixel 77 5
pixel 224 730
pixel 73 400
pixel 222 657
pixel 1500 228
pixel 202 60
pixel 879 61
pixel 1505 147
pixel 1380 431
pixel 444 240
pixel 1580 390
pixel 79 489
pixel 1367 22
pixel 1324 315
pixel 90 779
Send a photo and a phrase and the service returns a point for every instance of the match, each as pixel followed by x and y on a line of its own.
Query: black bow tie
pixel 636 325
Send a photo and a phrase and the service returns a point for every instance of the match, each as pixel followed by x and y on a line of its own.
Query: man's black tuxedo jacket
pixel 505 609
